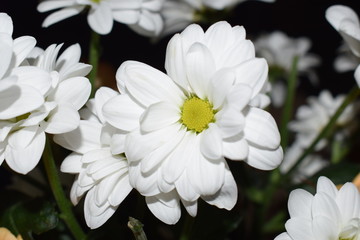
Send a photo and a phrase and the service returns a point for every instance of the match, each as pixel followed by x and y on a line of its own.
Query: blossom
pixel 181 125
pixel 140 15
pixel 346 22
pixel 64 89
pixel 101 170
pixel 312 118
pixel 5 234
pixel 329 214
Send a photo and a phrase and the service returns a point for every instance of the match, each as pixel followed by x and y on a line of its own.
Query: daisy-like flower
pixel 347 23
pixel 312 118
pixel 329 214
pixel 101 170
pixel 181 126
pixel 64 90
pixel 178 14
pixel 141 15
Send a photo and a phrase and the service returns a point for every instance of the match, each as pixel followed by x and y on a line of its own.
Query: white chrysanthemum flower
pixel 178 14
pixel 312 118
pixel 182 125
pixel 101 170
pixel 141 15
pixel 347 23
pixel 329 214
pixel 307 168
pixel 64 89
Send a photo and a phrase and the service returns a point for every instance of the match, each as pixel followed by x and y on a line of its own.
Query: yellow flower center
pixel 196 114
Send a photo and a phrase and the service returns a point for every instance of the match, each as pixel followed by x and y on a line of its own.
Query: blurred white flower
pixel 182 125
pixel 346 22
pixel 101 169
pixel 307 168
pixel 329 214
pixel 141 15
pixel 178 14
pixel 64 90
pixel 312 118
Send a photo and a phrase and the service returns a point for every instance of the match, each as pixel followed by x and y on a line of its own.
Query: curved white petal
pixel 325 185
pixel 226 197
pixel 6 45
pixel 72 163
pixel 357 75
pixel 159 115
pixel 159 206
pixel 24 159
pixel 6 24
pixel 211 142
pixel 54 4
pixel 62 119
pixel 264 159
pixel 61 15
pixel 147 84
pixel 235 148
pixel 230 122
pixel 120 191
pixel 348 201
pixel 200 66
pixel 299 229
pixel 283 236
pixel 122 112
pixel 22 48
pixel 100 18
pixel 261 129
pixel 299 204
pixel 184 188
pixel 102 95
pixel 325 228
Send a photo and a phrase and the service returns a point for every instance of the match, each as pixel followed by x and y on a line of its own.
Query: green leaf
pixel 27 217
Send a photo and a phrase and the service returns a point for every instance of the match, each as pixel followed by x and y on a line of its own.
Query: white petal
pixel 230 122
pixel 117 144
pixel 283 236
pixel 73 90
pixel 184 188
pixel 120 192
pixel 6 24
pixel 252 73
pixel 22 137
pixel 100 18
pixel 299 204
pixel 34 77
pixel 226 197
pixel 54 4
pixel 211 142
pixel 240 96
pixel 95 221
pixel 200 66
pixel 235 148
pixel 61 15
pixel 324 228
pixel 205 176
pixel 174 61
pixel 325 185
pixel 22 47
pixel 23 160
pixel 72 163
pixel 83 139
pixel 221 84
pixel 264 159
pixel 62 119
pixel 159 115
pixel 147 84
pixel 102 95
pixel 348 200
pixel 146 184
pixel 16 100
pixel 122 112
pixel 161 210
pixel 126 16
pixel 191 207
pixel 299 229
pixel 324 205
pixel 261 129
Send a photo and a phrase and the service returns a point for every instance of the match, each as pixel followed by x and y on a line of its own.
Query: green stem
pixel 94 54
pixel 288 106
pixel 353 94
pixel 137 228
pixel 59 195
